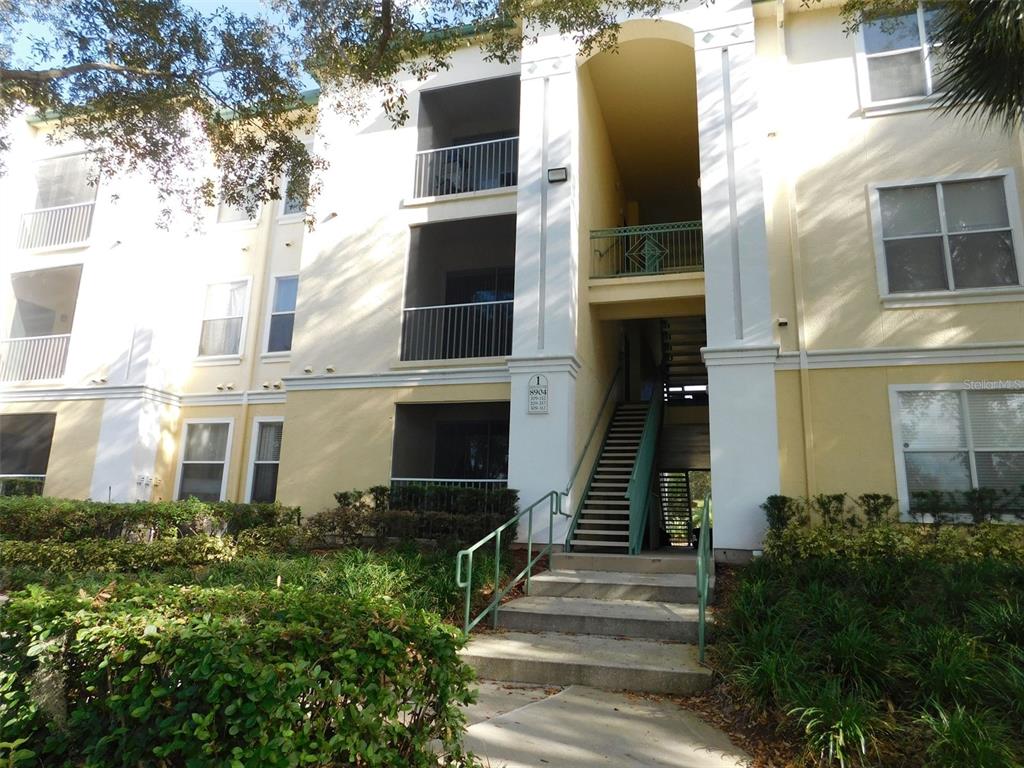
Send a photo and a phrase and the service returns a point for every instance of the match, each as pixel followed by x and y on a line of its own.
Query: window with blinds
pixel 955 440
pixel 266 460
pixel 204 457
pixel 223 319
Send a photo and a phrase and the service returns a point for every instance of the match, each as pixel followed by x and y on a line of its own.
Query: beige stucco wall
pixel 341 439
pixel 73 449
pixel 242 418
pixel 833 153
pixel 850 423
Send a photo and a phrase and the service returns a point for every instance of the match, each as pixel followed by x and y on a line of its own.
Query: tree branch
pixel 58 73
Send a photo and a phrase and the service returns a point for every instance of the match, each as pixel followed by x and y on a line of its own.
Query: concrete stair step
pixel 647 619
pixel 588 531
pixel 549 658
pixel 613 502
pixel 596 543
pixel 605 512
pixel 613 585
pixel 683 562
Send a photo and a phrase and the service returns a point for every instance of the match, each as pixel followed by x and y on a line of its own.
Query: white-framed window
pixel 265 459
pixel 223 330
pixel 203 469
pixel 293 207
pixel 954 438
pixel 231 214
pixel 281 323
pixel 64 181
pixel 899 57
pixel 947 236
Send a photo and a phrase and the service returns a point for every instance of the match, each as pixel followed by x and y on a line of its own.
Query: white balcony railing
pixel 467 167
pixel 61 225
pixel 34 358
pixel 452 331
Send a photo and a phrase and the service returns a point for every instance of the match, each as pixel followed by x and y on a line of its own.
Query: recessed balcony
pixel 64 204
pixel 459 290
pixel 36 347
pixel 468 138
pixel 650 249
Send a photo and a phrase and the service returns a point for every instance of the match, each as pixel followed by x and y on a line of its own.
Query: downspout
pixel 806 415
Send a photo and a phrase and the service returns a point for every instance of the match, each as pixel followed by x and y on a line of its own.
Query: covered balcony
pixel 64 203
pixel 459 290
pixel 41 316
pixel 468 138
pixel 455 445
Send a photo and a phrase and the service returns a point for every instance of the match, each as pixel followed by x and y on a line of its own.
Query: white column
pixel 741 351
pixel 127 450
pixel 544 333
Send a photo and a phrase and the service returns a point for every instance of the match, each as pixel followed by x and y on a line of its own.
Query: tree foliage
pixel 214 105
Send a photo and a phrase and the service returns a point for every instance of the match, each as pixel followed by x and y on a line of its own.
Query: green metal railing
pixel 648 250
pixel 582 458
pixel 464 575
pixel 638 492
pixel 703 572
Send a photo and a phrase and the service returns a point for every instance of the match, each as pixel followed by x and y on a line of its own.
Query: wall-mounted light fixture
pixel 558 175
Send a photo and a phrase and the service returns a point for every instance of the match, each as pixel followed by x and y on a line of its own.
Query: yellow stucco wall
pixel 850 422
pixel 76 434
pixel 242 418
pixel 336 440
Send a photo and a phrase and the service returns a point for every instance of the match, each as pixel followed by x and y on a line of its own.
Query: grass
pixel 877 661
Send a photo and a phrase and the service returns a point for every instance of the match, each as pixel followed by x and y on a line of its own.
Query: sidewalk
pixel 579 727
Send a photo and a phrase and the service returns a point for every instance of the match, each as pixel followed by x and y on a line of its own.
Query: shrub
pixel 232 677
pixel 445 498
pixel 348 526
pixel 114 556
pixel 783 510
pixel 877 507
pixel 38 518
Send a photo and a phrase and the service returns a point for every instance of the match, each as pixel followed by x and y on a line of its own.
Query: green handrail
pixel 639 489
pixel 703 572
pixel 593 467
pixel 554 501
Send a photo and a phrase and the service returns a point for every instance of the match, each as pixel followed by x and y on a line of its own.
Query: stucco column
pixel 741 351
pixel 542 435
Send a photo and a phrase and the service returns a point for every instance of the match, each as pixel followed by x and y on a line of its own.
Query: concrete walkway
pixel 579 727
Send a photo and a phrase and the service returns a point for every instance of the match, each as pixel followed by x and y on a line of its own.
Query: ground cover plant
pixel 881 643
pixel 192 634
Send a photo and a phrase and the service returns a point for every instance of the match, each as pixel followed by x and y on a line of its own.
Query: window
pixel 223 319
pixel 204 457
pixel 957 439
pixel 227 214
pixel 949 235
pixel 25 440
pixel 479 285
pixel 266 458
pixel 63 181
pixel 292 205
pixel 902 58
pixel 282 314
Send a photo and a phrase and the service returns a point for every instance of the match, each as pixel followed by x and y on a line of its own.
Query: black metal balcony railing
pixel 453 331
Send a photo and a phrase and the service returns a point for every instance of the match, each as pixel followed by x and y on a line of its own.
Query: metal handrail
pixel 460 146
pixel 703 572
pixel 554 501
pixel 41 336
pixel 464 304
pixel 59 207
pixel 647 249
pixel 639 488
pixel 593 467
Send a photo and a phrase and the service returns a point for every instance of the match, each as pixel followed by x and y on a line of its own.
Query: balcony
pixel 33 358
pixel 42 311
pixel 651 249
pixel 62 225
pixel 442 448
pixel 452 331
pixel 25 440
pixel 467 168
pixel 468 138
pixel 459 290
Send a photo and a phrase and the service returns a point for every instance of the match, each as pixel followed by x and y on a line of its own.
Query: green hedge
pixel 38 518
pixel 439 498
pixel 349 526
pixel 227 677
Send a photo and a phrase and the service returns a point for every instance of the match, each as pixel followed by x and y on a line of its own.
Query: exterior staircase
pixel 609 621
pixel 603 524
pixel 681 342
pixel 676 506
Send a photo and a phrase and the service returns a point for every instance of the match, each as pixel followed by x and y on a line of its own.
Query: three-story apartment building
pixel 755 228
